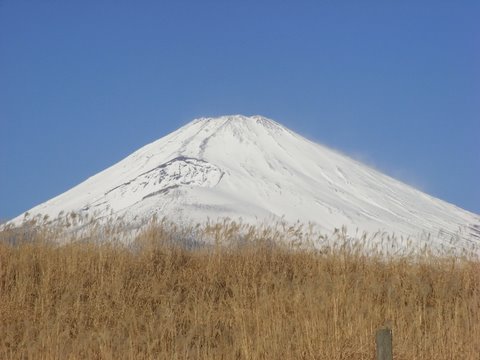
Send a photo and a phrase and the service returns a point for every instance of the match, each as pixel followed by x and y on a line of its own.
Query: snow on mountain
pixel 256 169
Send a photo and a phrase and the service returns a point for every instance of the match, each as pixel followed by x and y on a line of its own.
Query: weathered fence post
pixel 383 338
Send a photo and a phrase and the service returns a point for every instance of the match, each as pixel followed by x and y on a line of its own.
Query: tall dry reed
pixel 153 299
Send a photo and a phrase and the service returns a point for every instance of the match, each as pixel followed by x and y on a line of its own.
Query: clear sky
pixel 83 84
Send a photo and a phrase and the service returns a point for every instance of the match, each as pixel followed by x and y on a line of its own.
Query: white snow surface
pixel 255 169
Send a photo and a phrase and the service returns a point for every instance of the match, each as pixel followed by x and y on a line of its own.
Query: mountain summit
pixel 254 168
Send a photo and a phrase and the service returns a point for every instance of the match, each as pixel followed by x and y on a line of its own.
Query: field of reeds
pixel 159 298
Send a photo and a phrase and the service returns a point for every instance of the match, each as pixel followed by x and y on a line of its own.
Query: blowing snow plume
pixel 255 169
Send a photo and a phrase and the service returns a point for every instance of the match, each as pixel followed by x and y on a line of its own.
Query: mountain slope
pixel 254 168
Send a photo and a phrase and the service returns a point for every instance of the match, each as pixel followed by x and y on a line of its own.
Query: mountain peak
pixel 254 168
pixel 233 118
pixel 239 120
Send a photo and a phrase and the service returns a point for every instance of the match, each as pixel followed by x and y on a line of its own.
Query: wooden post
pixel 383 339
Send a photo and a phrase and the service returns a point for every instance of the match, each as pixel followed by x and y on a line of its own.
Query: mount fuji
pixel 255 169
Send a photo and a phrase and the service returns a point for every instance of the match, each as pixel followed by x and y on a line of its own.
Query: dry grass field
pixel 155 300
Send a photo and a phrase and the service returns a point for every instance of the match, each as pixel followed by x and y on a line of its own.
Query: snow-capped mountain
pixel 256 169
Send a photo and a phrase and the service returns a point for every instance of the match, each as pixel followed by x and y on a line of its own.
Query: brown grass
pixel 155 300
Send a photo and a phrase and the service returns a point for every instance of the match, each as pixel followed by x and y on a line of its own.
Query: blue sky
pixel 85 83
